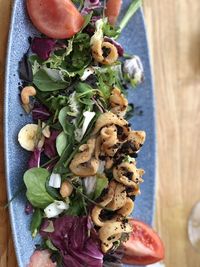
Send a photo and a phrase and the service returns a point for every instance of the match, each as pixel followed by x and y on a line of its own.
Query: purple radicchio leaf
pixel 43 47
pixel 50 145
pixel 25 69
pixel 34 160
pixel 71 237
pixel 90 5
pixel 40 112
pixel 120 49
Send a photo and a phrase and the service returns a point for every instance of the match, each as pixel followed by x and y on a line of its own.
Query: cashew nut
pixel 98 52
pixel 66 189
pixel 27 92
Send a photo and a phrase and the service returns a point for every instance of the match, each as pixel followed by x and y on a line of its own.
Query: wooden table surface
pixel 174 37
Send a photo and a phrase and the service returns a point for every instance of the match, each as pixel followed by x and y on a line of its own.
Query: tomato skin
pixel 144 245
pixel 57 19
pixel 113 8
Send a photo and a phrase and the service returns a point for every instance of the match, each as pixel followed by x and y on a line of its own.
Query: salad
pixel 82 176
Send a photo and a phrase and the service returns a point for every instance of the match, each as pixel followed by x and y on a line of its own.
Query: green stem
pixel 129 13
pixel 88 199
pixel 127 56
pixel 48 162
pixel 15 195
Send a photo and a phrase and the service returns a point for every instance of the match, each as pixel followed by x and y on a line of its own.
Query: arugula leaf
pixel 111 31
pixel 46 83
pixel 108 77
pixel 101 184
pixel 84 92
pixel 87 20
pixel 35 181
pixel 76 205
pixel 36 221
pixel 53 102
pixel 50 245
pixel 61 166
pixel 80 57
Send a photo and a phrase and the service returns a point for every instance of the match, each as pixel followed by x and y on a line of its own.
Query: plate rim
pixel 5 124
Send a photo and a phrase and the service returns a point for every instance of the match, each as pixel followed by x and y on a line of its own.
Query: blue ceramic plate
pixel 134 41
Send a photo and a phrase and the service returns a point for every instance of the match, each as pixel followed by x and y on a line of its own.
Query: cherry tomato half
pixel 144 245
pixel 57 19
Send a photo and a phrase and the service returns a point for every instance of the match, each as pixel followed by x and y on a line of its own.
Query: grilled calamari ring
pixel 119 198
pixel 104 52
pixel 118 102
pixel 108 118
pixel 96 211
pixel 84 164
pixel 109 140
pixel 111 232
pixel 137 139
pixel 128 174
pixel 127 208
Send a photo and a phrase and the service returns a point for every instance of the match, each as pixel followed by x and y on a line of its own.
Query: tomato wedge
pixel 144 245
pixel 57 19
pixel 41 259
pixel 113 8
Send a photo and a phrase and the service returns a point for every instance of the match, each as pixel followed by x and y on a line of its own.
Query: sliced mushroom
pixel 112 232
pixel 118 102
pixel 128 174
pixel 84 164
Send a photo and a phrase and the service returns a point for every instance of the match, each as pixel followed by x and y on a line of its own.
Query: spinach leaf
pixel 36 221
pixel 61 142
pixel 63 118
pixel 101 184
pixel 35 180
pixel 46 83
